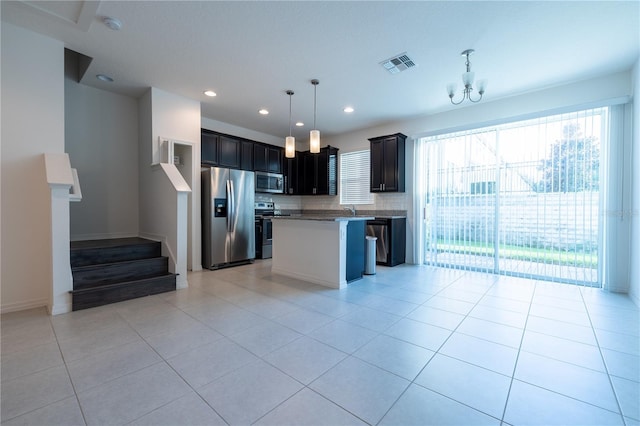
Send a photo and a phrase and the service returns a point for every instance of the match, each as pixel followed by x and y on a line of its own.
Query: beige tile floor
pixel 409 345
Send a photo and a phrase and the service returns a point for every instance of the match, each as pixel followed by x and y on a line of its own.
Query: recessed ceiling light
pixel 348 109
pixel 112 23
pixel 299 124
pixel 103 77
pixel 263 111
pixel 210 93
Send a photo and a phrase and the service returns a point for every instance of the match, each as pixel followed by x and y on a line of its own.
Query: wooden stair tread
pixel 117 269
pixel 97 266
pixel 120 284
pixel 119 292
pixel 109 243
pixel 98 252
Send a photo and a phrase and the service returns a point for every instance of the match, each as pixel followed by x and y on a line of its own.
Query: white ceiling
pixel 250 53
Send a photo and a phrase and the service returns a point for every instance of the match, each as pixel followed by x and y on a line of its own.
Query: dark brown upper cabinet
pixel 229 150
pixel 388 163
pixel 246 155
pixel 209 147
pixel 290 171
pixel 318 173
pixel 267 158
pixel 221 150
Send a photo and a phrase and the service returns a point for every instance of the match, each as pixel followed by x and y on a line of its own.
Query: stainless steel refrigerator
pixel 228 226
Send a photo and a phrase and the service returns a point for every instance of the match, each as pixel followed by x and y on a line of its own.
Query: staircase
pixel 113 270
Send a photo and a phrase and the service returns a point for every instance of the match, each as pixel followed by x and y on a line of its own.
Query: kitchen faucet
pixel 352 209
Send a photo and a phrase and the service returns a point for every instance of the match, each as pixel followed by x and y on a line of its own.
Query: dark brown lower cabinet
pixel 355 262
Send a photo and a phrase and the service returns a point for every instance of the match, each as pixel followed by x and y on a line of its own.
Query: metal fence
pixel 539 235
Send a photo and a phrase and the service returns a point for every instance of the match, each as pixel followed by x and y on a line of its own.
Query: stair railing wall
pixel 60 179
pixel 168 196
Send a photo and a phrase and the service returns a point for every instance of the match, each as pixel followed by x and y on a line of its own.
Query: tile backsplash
pixel 398 203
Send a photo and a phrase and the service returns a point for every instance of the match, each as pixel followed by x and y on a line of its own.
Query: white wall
pixel 634 288
pixel 162 114
pixel 241 132
pixel 101 138
pixel 581 94
pixel 32 124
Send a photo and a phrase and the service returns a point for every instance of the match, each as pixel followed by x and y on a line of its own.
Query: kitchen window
pixel 354 178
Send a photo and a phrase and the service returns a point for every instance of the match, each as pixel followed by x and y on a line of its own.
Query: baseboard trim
pixel 308 278
pixel 23 306
pixel 634 297
pixel 181 282
pixel 58 309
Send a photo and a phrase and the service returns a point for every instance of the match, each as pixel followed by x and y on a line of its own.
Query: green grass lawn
pixel 530 254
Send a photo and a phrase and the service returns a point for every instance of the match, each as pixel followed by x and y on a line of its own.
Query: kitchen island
pixel 325 250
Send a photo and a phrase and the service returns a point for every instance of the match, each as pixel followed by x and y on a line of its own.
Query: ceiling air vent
pixel 398 63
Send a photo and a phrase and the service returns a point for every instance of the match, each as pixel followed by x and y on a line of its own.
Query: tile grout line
pixel 553 391
pixel 606 368
pixel 66 368
pixel 176 399
pixel 436 352
pixel 163 360
pixel 515 365
pixel 411 382
pixel 538 288
pixel 261 358
pixel 304 385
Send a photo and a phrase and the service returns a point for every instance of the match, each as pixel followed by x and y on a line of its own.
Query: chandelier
pixel 467 80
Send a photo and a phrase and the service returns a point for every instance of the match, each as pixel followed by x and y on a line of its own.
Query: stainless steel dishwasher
pixel 379 228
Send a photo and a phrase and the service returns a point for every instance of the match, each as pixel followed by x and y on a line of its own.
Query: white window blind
pixel 519 199
pixel 354 178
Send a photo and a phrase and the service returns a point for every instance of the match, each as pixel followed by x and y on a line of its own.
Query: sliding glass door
pixel 519 199
pixel 460 206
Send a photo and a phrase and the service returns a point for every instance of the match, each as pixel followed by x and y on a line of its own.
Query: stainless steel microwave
pixel 269 182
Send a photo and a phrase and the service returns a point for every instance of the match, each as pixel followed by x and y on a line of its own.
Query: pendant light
pixel 314 135
pixel 290 141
